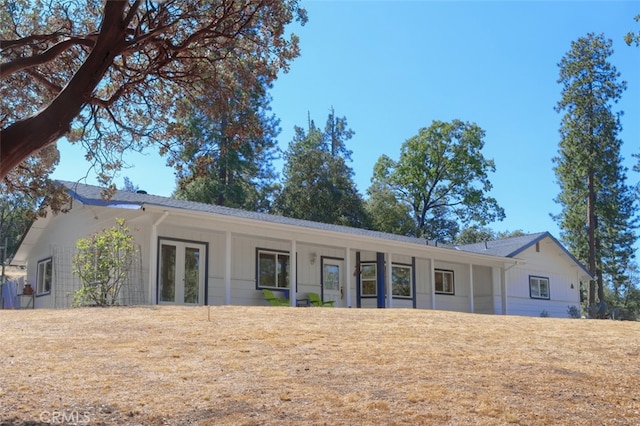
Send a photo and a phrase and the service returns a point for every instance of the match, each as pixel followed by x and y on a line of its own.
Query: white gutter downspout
pixel 503 278
pixel 227 269
pixel 153 257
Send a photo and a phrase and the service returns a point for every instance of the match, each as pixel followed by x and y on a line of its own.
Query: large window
pixel 273 269
pixel 539 287
pixel 401 281
pixel 444 282
pixel 44 276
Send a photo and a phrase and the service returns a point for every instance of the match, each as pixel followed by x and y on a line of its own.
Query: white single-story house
pixel 199 254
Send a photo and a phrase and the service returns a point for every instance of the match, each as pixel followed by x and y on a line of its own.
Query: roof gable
pixel 511 247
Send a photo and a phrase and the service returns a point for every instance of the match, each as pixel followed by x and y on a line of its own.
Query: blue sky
pixel 392 68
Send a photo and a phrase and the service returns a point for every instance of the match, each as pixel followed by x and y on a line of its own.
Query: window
pixel 444 282
pixel 401 280
pixel 539 287
pixel 44 276
pixel 368 280
pixel 273 269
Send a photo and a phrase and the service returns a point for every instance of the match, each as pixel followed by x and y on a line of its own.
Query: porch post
pixel 227 269
pixel 432 268
pixel 503 283
pixel 389 286
pixel 380 279
pixel 347 273
pixel 293 274
pixel 471 306
pixel 153 259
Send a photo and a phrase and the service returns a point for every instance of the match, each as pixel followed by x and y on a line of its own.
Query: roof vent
pixel 140 191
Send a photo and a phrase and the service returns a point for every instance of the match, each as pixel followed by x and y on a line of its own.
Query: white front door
pixel 181 278
pixel 332 270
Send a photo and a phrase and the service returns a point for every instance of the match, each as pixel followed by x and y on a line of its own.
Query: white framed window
pixel 444 282
pixel 44 276
pixel 368 280
pixel 273 269
pixel 539 287
pixel 401 281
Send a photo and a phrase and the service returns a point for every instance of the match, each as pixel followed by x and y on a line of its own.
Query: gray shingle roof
pixel 507 247
pixel 89 194
pixel 92 195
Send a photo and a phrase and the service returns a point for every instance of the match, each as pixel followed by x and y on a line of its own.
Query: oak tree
pixel 443 178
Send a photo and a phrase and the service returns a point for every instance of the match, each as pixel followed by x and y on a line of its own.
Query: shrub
pixel 103 261
pixel 573 311
pixel 544 313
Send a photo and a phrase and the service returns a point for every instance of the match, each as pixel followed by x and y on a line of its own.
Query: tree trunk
pixel 591 235
pixel 26 137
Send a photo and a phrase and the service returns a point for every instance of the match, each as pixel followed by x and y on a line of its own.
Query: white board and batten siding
pixel 548 261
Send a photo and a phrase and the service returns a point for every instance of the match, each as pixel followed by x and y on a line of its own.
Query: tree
pixel 109 74
pixel 129 186
pixel 318 184
pixel 103 263
pixel 387 213
pixel 226 159
pixel 442 177
pixel 27 186
pixel 633 37
pixel 478 234
pixel 597 205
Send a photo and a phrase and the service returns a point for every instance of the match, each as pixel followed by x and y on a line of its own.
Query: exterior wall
pixel 483 290
pixel 62 233
pixel 550 262
pixel 423 284
pixel 459 301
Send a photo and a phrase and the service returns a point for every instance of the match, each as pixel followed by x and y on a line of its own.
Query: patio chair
pixel 315 300
pixel 273 300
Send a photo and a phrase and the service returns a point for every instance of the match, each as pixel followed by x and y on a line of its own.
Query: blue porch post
pixel 380 279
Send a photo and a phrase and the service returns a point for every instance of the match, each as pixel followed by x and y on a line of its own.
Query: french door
pixel 181 277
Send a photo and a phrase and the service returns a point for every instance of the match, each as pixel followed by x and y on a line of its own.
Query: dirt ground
pixel 318 366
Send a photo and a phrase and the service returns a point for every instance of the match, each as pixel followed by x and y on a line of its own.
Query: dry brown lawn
pixel 270 365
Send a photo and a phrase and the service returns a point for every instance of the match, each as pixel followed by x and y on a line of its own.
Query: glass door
pixel 181 277
pixel 332 280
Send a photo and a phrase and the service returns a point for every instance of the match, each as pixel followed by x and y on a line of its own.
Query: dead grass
pixel 257 366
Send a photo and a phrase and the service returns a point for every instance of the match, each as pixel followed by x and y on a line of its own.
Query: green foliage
pixel 478 234
pixel 573 312
pixel 223 155
pixel 442 178
pixel 318 184
pixel 598 207
pixel 633 37
pixel 387 213
pixel 103 262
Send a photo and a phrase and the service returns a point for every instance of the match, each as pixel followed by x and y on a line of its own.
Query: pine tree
pixel 318 183
pixel 597 205
pixel 225 155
